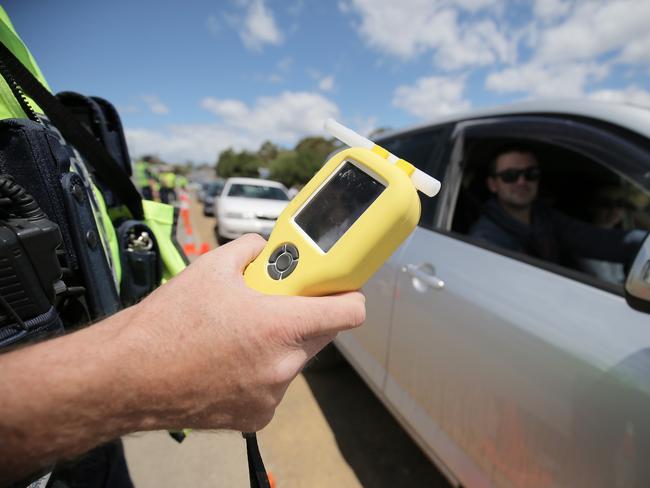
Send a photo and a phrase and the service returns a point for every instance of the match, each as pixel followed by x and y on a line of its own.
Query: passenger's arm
pixel 202 351
pixel 588 241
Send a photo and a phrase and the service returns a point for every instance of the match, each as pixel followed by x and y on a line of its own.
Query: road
pixel 330 430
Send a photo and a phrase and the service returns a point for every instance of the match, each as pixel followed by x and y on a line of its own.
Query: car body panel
pixel 497 357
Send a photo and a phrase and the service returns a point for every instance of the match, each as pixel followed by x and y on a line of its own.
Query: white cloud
pixel 154 105
pixel 326 84
pixel 432 96
pixel 438 27
pixel 259 27
pixel 548 10
pixel 198 143
pixel 558 80
pixel 283 119
pixel 599 27
pixel 479 44
pixel 632 95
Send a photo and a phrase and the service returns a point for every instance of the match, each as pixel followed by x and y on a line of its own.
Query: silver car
pixel 507 370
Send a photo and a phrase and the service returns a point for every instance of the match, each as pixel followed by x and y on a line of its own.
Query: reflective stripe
pixel 160 218
pixel 9 106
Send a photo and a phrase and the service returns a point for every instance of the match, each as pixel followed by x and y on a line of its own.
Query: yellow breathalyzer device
pixel 345 222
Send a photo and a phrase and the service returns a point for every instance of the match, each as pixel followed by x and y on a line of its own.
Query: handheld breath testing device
pixel 345 222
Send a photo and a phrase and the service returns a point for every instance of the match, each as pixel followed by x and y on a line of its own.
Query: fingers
pixel 320 316
pixel 243 250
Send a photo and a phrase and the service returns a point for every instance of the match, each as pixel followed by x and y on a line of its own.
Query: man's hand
pixel 223 352
pixel 202 351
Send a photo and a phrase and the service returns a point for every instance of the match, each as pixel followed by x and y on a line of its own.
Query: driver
pixel 515 220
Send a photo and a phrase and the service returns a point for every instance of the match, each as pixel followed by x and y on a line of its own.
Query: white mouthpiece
pixel 425 183
pixel 422 181
pixel 347 136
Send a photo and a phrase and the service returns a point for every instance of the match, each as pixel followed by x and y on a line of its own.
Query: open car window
pixel 581 190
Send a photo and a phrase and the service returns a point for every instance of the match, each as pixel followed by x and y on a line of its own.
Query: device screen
pixel 338 205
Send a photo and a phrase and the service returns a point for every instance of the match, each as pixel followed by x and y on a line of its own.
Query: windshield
pixel 214 189
pixel 257 191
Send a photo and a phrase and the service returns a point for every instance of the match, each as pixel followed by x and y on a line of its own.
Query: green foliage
pixel 233 163
pixel 268 152
pixel 291 167
pixel 295 168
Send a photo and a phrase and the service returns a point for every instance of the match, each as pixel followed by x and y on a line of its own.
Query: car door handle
pixel 425 273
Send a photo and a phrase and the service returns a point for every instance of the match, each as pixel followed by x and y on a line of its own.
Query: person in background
pixel 144 178
pixel 168 187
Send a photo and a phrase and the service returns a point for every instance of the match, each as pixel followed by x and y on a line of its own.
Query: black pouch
pixel 140 259
pixel 102 120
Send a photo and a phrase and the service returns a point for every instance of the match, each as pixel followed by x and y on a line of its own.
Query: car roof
pixel 632 117
pixel 255 181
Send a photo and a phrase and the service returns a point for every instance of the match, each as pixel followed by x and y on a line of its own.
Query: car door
pixel 512 372
pixel 367 347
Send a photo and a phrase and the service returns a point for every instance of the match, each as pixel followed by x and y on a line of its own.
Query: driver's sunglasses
pixel 512 175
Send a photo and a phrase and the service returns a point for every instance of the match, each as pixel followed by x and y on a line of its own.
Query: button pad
pixel 283 261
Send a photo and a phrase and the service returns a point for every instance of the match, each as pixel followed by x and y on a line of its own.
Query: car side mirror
pixel 637 285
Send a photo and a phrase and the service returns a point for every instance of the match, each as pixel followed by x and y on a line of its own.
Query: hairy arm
pixel 202 351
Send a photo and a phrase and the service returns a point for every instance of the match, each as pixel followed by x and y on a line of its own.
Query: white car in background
pixel 249 205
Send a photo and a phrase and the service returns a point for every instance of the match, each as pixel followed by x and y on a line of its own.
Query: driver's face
pixel 520 193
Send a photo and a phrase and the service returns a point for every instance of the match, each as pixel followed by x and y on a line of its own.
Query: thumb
pixel 319 316
pixel 243 250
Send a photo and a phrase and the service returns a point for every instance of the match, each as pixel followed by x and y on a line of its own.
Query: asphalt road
pixel 330 430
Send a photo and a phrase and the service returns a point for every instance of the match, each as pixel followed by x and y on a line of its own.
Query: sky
pixel 193 78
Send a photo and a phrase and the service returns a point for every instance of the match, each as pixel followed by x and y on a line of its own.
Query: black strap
pixel 95 155
pixel 256 470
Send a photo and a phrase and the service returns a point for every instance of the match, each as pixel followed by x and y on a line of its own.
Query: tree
pixel 268 152
pixel 233 163
pixel 295 168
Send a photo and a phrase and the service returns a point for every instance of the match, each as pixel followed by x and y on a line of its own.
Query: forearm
pixel 202 351
pixel 64 396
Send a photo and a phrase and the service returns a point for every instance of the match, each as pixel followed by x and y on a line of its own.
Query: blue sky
pixel 193 78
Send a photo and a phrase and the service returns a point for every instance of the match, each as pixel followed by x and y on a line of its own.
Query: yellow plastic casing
pixel 361 250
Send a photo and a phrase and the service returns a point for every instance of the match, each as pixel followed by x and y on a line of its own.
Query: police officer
pixel 144 177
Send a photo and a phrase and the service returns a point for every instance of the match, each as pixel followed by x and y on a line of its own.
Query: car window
pixel 585 219
pixel 214 190
pixel 257 191
pixel 420 148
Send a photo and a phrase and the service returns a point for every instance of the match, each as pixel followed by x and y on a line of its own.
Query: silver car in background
pixel 507 370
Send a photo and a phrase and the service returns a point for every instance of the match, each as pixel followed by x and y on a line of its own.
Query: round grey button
pixel 284 261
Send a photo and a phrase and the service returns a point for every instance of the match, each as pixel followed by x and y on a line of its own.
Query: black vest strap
pixel 95 155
